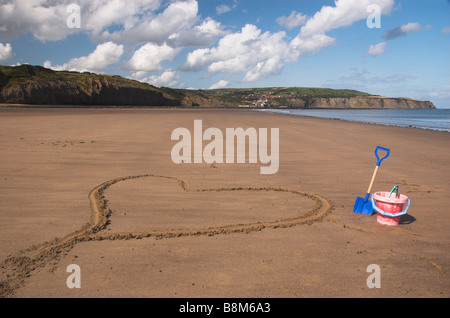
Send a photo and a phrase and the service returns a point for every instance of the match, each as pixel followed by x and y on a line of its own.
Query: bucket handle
pixel 387 213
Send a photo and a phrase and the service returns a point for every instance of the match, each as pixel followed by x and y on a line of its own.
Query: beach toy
pixel 363 205
pixel 390 208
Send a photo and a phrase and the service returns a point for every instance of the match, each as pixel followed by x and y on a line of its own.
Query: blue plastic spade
pixel 364 205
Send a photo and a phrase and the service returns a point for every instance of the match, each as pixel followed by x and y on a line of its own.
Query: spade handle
pixel 373 179
pixel 379 160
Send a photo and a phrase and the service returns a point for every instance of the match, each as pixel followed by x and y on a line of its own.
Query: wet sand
pixel 98 188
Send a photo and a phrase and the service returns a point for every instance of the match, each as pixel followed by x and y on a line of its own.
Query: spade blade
pixel 363 205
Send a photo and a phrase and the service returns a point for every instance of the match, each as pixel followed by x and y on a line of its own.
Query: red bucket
pixel 390 208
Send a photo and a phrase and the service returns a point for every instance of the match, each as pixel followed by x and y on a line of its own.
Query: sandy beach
pixel 98 188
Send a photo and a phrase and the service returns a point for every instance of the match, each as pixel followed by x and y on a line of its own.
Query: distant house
pixel 260 103
pixel 278 96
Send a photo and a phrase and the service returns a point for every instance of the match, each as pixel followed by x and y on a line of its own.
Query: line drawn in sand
pixel 16 268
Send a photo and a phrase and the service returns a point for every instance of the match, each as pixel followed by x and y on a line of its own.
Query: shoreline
pixel 258 109
pixel 190 107
pixel 447 130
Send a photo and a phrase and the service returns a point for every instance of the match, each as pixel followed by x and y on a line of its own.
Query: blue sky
pixel 236 43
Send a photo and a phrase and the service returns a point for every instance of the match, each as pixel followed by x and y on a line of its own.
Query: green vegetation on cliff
pixel 279 96
pixel 36 85
pixel 26 84
pixel 24 74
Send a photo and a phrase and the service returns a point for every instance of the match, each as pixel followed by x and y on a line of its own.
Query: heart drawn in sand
pixel 20 266
pixel 102 212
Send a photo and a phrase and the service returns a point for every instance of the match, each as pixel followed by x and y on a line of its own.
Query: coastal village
pixel 264 101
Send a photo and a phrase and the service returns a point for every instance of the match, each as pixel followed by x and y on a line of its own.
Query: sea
pixel 432 119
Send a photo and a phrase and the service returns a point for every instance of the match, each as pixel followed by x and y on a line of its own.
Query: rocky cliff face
pixel 91 91
pixel 36 85
pixel 366 102
pixel 104 92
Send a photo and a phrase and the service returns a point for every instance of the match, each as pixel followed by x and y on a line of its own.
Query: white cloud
pixel 312 35
pixel 410 27
pixel 149 57
pixel 178 16
pixel 99 15
pixel 312 43
pixel 135 21
pixel 258 54
pixel 294 20
pixel 446 30
pixel 204 34
pixel 219 84
pixel 376 50
pixel 104 55
pixel 345 13
pixel 5 52
pixel 47 20
pixel 167 78
pixel 44 22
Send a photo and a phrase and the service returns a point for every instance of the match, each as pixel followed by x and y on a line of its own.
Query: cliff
pixel 306 97
pixel 366 102
pixel 36 85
